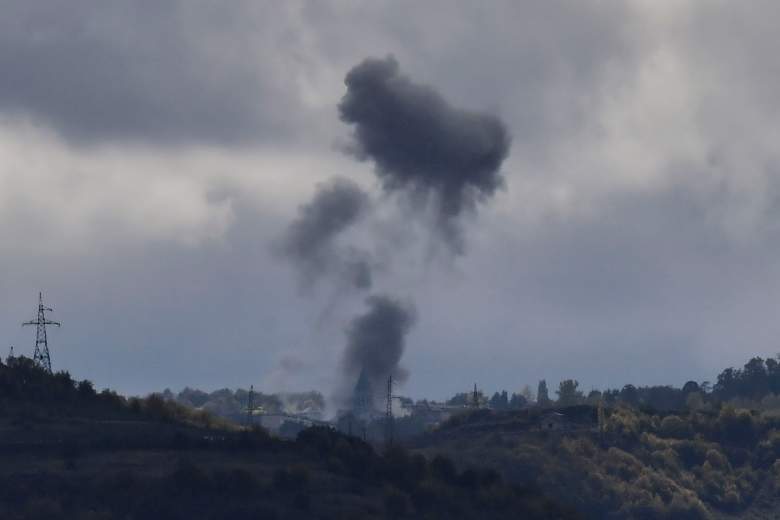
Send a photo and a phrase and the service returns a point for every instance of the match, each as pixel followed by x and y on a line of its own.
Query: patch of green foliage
pixel 638 465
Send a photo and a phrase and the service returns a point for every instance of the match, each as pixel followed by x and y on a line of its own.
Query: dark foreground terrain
pixel 69 452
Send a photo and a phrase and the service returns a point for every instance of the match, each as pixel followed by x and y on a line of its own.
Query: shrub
pixel 675 427
pixel 717 460
pixel 688 507
pixel 691 453
pixel 622 422
pixel 736 427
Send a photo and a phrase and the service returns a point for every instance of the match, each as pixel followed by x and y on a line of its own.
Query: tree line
pixel 757 384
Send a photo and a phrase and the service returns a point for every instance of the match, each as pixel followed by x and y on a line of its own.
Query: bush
pixel 717 460
pixel 737 427
pixel 675 427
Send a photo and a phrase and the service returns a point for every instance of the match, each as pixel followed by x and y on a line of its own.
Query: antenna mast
pixel 41 356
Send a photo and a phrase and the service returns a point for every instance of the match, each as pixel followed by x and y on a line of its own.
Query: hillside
pixel 714 464
pixel 69 452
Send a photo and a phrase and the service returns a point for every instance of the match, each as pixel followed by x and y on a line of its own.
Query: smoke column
pixel 310 242
pixel 420 144
pixel 444 158
pixel 376 340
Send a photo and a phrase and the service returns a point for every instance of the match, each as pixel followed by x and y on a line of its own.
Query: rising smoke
pixel 310 242
pixel 421 145
pixel 376 340
pixel 445 158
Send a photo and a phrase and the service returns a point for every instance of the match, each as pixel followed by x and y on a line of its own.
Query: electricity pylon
pixel 250 405
pixel 41 355
pixel 389 420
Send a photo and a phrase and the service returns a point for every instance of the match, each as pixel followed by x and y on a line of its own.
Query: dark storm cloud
pixel 376 340
pixel 419 142
pixel 163 71
pixel 310 241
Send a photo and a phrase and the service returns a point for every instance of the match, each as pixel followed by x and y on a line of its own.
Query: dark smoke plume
pixel 376 340
pixel 422 144
pixel 310 241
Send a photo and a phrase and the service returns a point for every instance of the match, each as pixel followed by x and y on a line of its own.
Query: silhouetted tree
pixel 568 395
pixel 517 401
pixel 542 395
pixel 499 401
pixel 630 395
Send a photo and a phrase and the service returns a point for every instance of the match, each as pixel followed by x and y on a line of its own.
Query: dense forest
pixel 756 386
pixel 631 464
pixel 699 451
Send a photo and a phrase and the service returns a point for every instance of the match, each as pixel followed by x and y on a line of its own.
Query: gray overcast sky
pixel 151 154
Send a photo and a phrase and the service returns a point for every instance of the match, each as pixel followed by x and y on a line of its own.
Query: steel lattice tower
pixel 389 412
pixel 250 405
pixel 41 355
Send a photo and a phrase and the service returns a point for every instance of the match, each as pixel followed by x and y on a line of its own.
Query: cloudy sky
pixel 154 156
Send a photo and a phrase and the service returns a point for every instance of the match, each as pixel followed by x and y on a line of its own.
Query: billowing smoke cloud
pixel 421 144
pixel 376 340
pixel 310 241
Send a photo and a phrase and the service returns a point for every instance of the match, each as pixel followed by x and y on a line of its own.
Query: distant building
pixel 277 422
pixel 554 421
pixel 581 417
pixel 433 414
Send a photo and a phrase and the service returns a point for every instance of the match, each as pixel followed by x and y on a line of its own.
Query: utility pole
pixel 601 418
pixel 250 405
pixel 41 355
pixel 389 413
